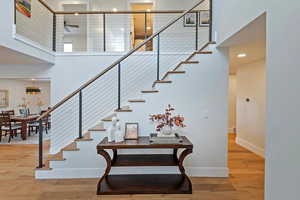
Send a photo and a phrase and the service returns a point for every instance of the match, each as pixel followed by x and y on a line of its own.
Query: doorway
pixel 247 103
pixel 141 25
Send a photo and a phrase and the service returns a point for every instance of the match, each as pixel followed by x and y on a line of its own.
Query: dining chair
pixel 35 125
pixel 8 127
pixel 10 112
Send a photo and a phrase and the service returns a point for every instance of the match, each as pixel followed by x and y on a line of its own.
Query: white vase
pixel 111 134
pixel 167 132
pixel 119 136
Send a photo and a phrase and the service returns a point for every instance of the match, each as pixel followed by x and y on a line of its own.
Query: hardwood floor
pixel 17 162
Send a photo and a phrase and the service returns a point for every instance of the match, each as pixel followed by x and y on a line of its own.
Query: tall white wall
pixel 201 96
pixel 38 27
pixel 7 38
pixel 17 90
pixel 25 71
pixel 251 116
pixel 232 104
pixel 282 140
pixel 100 98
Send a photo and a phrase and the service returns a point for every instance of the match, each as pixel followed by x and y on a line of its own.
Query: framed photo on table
pixel 131 131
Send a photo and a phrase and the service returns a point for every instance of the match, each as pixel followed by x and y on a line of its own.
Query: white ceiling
pixel 8 56
pixel 250 40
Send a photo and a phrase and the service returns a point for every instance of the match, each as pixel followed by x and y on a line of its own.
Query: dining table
pixel 24 121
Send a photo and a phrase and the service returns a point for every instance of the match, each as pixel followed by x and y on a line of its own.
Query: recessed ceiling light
pixel 115 10
pixel 148 10
pixel 148 28
pixel 241 55
pixel 33 79
pixel 76 14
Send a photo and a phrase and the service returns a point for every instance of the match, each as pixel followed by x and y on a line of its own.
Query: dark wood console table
pixel 144 183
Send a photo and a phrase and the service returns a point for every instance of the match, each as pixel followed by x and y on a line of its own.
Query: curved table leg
pixel 181 168
pixel 107 170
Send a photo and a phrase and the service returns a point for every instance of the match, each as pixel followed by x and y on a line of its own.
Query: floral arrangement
pixel 24 104
pixel 167 119
pixel 40 103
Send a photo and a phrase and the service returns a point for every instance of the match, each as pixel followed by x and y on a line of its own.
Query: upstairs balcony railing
pixel 108 31
pixel 182 33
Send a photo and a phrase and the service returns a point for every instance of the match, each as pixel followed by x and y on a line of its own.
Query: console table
pixel 144 183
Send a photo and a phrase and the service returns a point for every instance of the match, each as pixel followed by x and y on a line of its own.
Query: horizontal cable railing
pixel 127 76
pixel 98 31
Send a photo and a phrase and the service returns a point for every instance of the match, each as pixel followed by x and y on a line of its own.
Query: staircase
pixel 79 158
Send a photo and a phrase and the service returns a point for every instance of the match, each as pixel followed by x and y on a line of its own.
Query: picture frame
pixel 190 20
pixel 131 131
pixel 204 18
pixel 4 99
pixel 24 7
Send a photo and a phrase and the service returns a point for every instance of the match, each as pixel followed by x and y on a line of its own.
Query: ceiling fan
pixel 70 27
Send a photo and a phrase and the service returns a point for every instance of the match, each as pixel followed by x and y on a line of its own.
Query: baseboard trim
pixel 77 173
pixel 251 147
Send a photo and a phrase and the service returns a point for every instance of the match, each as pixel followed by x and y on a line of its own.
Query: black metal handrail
pixel 112 66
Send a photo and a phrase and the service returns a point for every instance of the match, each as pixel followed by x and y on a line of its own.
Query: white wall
pixel 282 140
pixel 232 104
pixel 201 96
pixel 231 16
pixel 100 98
pixel 6 35
pixel 25 71
pixel 251 116
pixel 17 91
pixel 38 27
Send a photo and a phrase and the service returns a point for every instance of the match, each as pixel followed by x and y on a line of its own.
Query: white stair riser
pixel 98 135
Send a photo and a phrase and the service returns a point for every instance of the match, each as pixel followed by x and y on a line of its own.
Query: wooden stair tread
pixel 136 101
pixel 124 109
pixel 203 52
pixel 98 127
pixel 108 119
pixel 176 72
pixel 163 81
pixel 56 157
pixel 149 91
pixel 71 147
pixel 190 62
pixel 86 137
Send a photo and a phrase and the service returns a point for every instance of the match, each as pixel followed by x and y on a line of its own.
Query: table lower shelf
pixel 145 184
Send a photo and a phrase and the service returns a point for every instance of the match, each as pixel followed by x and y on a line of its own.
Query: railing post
pixel 40 144
pixel 15 12
pixel 104 33
pixel 145 28
pixel 119 86
pixel 197 29
pixel 158 57
pixel 80 114
pixel 210 19
pixel 54 32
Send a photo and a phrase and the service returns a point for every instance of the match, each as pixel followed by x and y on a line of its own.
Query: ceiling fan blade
pixel 73 26
pixel 67 29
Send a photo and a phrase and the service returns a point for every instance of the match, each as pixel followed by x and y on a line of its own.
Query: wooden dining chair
pixel 8 127
pixel 35 125
pixel 10 112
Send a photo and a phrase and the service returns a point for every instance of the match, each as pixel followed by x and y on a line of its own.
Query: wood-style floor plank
pixel 17 163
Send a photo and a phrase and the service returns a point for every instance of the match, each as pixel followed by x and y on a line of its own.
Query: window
pixel 68 47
